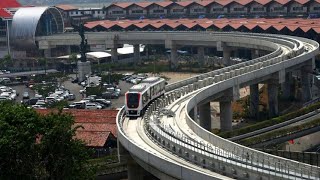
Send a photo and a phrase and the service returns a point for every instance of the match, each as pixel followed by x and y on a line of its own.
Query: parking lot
pixel 75 88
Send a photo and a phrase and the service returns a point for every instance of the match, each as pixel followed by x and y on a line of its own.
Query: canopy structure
pixel 96 55
pixel 126 49
pixel 30 22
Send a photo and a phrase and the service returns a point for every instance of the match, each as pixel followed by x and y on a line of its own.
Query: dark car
pixel 103 101
pixel 110 95
pixel 31 101
pixel 75 80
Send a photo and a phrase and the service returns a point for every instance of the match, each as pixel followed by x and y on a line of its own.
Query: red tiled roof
pixel 164 3
pixel 243 2
pixel 122 4
pixel 66 7
pixel 204 3
pixel 250 26
pixel 305 29
pixel 97 125
pixel 142 24
pixel 93 139
pixel 302 1
pixel 262 2
pixel 264 24
pixel 282 1
pixel 9 4
pixel 4 13
pixel 143 4
pixel 278 27
pixel 184 3
pixel 224 2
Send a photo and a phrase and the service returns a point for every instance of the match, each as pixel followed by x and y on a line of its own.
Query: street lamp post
pixel 154 62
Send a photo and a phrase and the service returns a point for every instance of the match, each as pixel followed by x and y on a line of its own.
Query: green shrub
pixel 279 133
pixel 270 122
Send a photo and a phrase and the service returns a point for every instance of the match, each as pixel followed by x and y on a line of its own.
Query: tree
pixel 6 61
pixel 34 146
pixel 72 60
pixel 43 62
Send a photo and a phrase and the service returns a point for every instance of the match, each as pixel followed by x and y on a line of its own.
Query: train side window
pixel 152 91
pixel 149 94
pixel 145 98
pixel 156 89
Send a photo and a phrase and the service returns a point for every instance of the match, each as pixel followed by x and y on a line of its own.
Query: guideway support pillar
pixel 273 98
pixel 201 55
pixel 226 107
pixel 288 86
pixel 47 53
pixel 205 116
pixel 114 54
pixel 226 55
pixel 254 101
pixel 136 49
pixel 111 43
pixel 306 81
pixel 135 171
pixel 225 115
pixel 170 44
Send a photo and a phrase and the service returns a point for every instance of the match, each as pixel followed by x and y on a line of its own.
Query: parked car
pixel 71 97
pixel 2 98
pixel 37 106
pixel 31 101
pixel 80 105
pixel 110 95
pixel 104 102
pixel 93 106
pixel 25 95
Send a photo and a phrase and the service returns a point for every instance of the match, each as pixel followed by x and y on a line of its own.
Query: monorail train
pixel 139 96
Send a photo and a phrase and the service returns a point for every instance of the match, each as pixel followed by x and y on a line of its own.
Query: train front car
pixel 140 95
pixel 133 102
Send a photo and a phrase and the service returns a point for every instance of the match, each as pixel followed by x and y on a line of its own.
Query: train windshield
pixel 133 100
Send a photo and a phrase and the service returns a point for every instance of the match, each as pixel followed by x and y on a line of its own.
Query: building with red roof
pixel 98 127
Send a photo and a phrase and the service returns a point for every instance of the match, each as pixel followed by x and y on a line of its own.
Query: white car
pixel 93 106
pixel 2 98
pixel 7 95
pixel 37 106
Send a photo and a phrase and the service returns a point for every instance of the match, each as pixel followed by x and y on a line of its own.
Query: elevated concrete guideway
pixel 184 137
pixel 178 147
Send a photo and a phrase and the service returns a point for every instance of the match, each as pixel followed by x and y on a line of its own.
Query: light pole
pixel 154 62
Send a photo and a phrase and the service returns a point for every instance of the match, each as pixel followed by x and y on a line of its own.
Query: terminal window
pixel 278 8
pixel 177 10
pixel 117 12
pixel 316 8
pixel 217 9
pixel 238 9
pixel 297 8
pixel 258 9
pixel 137 11
pixel 158 11
pixel 198 10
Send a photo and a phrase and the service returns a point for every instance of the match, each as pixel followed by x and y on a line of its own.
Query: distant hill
pixel 82 2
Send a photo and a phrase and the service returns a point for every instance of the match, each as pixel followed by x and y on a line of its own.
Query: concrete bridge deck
pixel 180 148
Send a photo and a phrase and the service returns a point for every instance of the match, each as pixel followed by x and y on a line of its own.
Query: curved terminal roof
pixel 30 22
